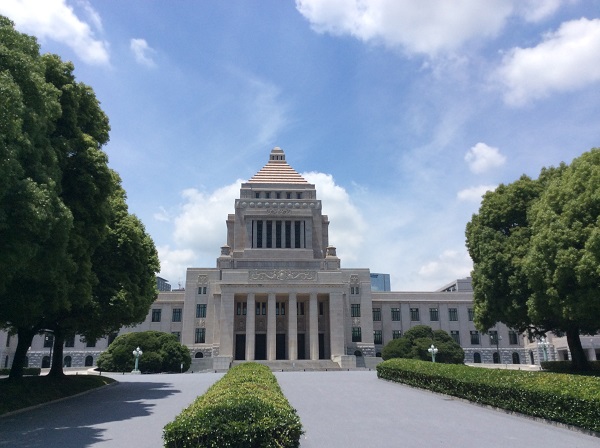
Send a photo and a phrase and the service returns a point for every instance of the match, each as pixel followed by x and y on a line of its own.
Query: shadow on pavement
pixel 79 416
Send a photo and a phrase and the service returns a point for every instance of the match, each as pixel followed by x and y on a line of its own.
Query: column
pixel 271 328
pixel 292 327
pixel 250 326
pixel 313 326
pixel 336 323
pixel 226 324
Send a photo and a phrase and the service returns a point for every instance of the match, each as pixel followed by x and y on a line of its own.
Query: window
pixel 200 310
pixel 396 314
pixel 513 338
pixel 70 341
pixel 455 335
pixel 355 310
pixel 288 234
pixel 356 334
pixel 434 314
pixel 267 195
pixel 67 361
pixel 278 195
pixel 376 314
pixel 259 232
pixel 288 195
pixel 90 343
pixel 321 308
pixel 297 236
pixel 298 195
pixel 471 314
pixel 241 309
pixel 177 334
pixel 261 307
pixel 156 315
pixel 112 337
pixel 355 290
pixel 300 308
pixel 269 234
pixel 414 314
pixel 377 337
pixel 201 289
pixel 176 315
pixel 452 314
pixel 278 234
pixel 280 309
pixel 396 334
pixel 48 340
pixel 474 338
pixel 257 195
pixel 200 336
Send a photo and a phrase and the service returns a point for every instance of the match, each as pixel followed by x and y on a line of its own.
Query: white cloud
pixel 200 226
pixel 142 52
pixel 482 158
pixel 56 20
pixel 450 264
pixel 428 27
pixel 347 223
pixel 566 60
pixel 474 194
pixel 173 264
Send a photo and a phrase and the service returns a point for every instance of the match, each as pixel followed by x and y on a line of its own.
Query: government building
pixel 278 293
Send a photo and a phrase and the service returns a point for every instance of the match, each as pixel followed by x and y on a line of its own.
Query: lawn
pixel 34 390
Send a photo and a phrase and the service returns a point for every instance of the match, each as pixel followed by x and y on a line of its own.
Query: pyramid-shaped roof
pixel 277 171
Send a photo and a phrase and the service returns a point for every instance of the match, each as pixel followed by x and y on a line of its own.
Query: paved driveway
pixel 337 409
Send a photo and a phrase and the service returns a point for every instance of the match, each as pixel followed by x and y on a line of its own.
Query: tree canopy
pixel 414 344
pixel 73 259
pixel 535 246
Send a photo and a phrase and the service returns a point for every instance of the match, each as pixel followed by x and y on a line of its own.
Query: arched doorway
pixel 46 362
pixel 477 358
pixel 89 361
pixel 67 361
pixel 516 359
pixel 531 358
pixel 496 358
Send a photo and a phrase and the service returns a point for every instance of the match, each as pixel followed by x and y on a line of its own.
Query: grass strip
pixel 34 390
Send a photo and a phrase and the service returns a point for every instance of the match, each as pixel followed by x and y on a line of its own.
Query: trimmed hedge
pixel 27 371
pixel 244 409
pixel 567 367
pixel 570 399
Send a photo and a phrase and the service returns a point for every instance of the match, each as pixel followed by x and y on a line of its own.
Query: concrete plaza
pixel 337 409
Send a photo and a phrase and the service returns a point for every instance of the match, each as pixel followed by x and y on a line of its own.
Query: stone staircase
pixel 298 365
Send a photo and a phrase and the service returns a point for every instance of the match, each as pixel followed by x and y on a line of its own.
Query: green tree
pixel 161 353
pixel 414 344
pixel 34 222
pixel 534 263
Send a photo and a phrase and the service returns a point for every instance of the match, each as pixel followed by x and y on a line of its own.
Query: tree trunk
pixel 579 360
pixel 25 336
pixel 56 369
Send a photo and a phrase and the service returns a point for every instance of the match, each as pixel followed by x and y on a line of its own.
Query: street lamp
pixel 433 350
pixel 544 344
pixel 498 339
pixel 137 353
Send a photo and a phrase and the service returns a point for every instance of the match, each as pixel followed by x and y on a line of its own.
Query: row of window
pixel 177 313
pixel 261 308
pixel 415 316
pixel 475 336
pixel 276 195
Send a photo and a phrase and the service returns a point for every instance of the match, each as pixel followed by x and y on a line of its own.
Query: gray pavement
pixel 337 409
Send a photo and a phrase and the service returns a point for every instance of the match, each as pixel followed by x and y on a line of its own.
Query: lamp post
pixel 433 350
pixel 498 339
pixel 50 338
pixel 137 353
pixel 543 343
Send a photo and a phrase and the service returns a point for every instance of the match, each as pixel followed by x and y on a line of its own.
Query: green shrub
pixel 27 371
pixel 245 409
pixel 416 341
pixel 161 353
pixel 569 399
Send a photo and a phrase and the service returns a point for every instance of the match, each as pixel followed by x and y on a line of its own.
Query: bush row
pixel 245 408
pixel 569 399
pixel 567 366
pixel 27 371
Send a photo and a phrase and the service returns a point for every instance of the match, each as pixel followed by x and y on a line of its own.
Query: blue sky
pixel 401 112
